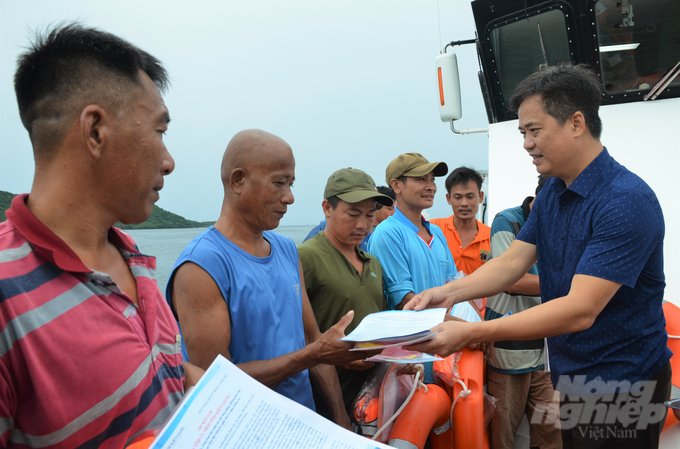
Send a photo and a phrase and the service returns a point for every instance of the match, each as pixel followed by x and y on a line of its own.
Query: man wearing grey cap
pixel 338 275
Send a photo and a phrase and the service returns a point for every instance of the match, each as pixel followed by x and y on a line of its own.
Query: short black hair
pixel 334 201
pixel 461 176
pixel 387 191
pixel 542 179
pixel 70 66
pixel 564 89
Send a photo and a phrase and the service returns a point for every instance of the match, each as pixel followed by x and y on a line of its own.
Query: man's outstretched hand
pixel 331 351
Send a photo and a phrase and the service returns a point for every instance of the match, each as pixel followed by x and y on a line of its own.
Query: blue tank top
pixel 264 300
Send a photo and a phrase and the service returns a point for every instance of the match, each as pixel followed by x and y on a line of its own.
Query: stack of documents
pixel 393 329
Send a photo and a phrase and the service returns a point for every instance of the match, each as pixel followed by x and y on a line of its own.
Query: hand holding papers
pixel 393 329
pixel 229 409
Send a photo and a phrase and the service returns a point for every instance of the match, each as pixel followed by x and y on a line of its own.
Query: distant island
pixel 159 219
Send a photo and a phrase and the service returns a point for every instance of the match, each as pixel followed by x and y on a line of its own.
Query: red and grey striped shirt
pixel 80 364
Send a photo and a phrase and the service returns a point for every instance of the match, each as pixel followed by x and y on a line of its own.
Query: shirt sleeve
pixel 383 301
pixel 388 248
pixel 306 271
pixel 626 231
pixel 502 235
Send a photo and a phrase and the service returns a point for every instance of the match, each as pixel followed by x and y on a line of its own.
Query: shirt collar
pixel 483 232
pixel 49 245
pixel 399 216
pixel 588 178
pixel 362 255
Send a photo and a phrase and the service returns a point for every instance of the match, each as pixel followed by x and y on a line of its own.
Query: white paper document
pixel 395 323
pixel 229 409
pixel 465 311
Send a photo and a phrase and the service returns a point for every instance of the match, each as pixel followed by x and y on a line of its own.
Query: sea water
pixel 167 244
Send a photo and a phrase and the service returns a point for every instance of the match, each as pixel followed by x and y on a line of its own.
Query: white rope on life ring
pixel 463 394
pixel 416 384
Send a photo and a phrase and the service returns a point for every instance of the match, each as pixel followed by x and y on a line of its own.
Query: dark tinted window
pixel 520 48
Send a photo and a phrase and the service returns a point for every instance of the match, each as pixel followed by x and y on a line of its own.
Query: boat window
pixel 520 48
pixel 639 42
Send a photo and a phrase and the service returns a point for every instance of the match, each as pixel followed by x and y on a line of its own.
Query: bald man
pixel 237 289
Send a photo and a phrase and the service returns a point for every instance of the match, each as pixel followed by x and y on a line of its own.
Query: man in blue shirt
pixel 597 232
pixel 413 254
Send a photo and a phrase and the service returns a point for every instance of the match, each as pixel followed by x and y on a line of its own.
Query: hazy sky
pixel 345 83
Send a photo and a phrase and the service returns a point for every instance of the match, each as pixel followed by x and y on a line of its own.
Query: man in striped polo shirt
pixel 516 371
pixel 89 351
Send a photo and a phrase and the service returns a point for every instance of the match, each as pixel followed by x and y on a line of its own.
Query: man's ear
pixel 394 183
pixel 326 206
pixel 578 123
pixel 237 180
pixel 448 199
pixel 95 130
pixel 481 196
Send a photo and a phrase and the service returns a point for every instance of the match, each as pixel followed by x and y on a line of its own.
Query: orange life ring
pixel 468 415
pixel 672 314
pixel 425 412
pixel 428 411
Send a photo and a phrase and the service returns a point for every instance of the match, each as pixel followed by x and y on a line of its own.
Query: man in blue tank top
pixel 237 290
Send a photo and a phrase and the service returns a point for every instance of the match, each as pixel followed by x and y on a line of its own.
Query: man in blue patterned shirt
pixel 597 232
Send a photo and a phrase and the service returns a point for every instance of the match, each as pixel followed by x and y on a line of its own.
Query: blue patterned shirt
pixel 607 224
